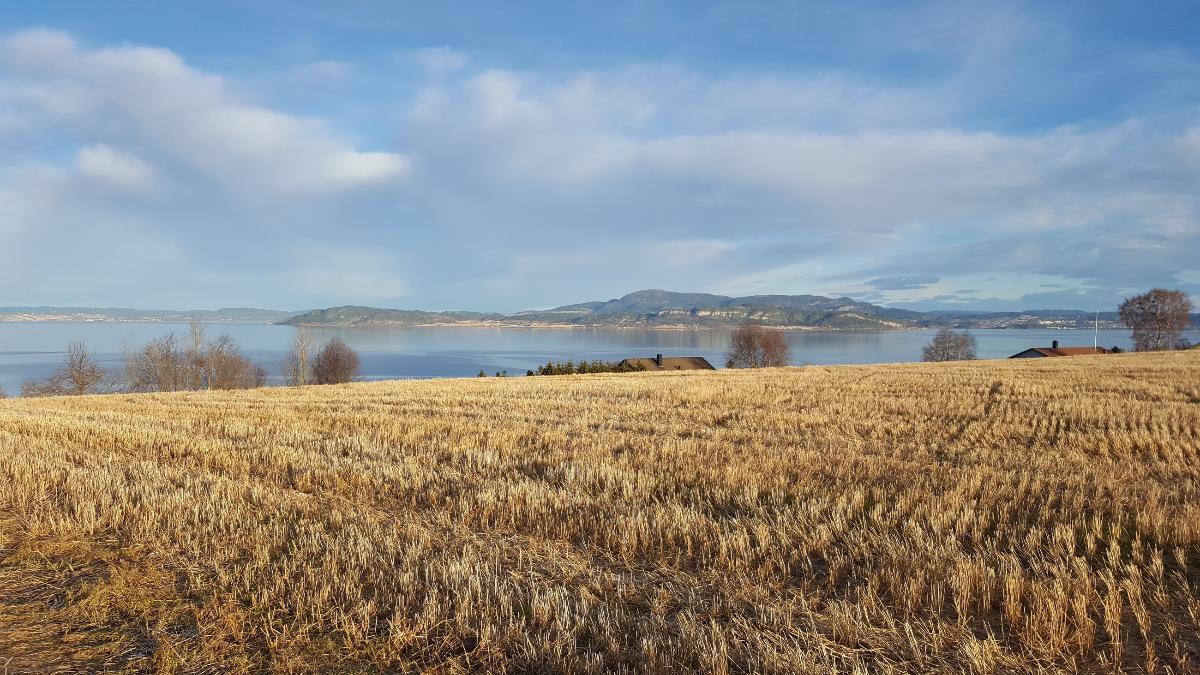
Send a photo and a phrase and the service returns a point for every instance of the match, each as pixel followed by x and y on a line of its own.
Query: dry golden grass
pixel 988 517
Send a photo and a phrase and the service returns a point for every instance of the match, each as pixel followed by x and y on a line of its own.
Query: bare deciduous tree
pixel 195 356
pixel 949 345
pixel 3 394
pixel 1157 319
pixel 752 346
pixel 297 367
pixel 79 375
pixel 336 363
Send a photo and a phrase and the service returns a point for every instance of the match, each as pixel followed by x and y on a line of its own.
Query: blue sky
pixel 493 156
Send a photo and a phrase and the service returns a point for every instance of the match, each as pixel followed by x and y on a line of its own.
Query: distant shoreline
pixel 681 328
pixel 441 324
pixel 165 322
pixel 562 326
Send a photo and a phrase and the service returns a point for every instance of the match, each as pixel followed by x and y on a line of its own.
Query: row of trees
pixel 195 364
pixel 585 367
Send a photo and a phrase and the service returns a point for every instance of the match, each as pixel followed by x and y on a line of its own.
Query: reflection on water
pixel 33 350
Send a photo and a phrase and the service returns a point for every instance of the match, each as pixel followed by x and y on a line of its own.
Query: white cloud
pixel 150 97
pixel 112 166
pixel 180 184
pixel 360 168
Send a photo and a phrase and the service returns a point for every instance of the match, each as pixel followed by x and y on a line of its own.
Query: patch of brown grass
pixel 986 517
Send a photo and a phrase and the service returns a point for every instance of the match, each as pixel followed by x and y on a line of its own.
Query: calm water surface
pixel 34 350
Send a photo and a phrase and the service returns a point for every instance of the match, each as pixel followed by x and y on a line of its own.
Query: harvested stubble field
pixel 991 517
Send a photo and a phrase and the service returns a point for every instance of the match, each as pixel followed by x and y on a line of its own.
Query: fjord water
pixel 34 350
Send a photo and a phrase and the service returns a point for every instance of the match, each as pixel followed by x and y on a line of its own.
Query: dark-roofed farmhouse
pixel 1055 350
pixel 671 363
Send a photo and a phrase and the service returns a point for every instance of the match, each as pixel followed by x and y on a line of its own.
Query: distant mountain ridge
pixel 651 308
pixel 655 301
pixel 647 308
pixel 117 314
pixel 353 315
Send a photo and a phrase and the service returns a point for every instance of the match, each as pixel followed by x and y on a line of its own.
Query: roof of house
pixel 1066 351
pixel 673 363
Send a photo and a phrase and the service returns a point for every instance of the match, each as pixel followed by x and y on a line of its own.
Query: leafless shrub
pixel 336 363
pixel 950 345
pixel 752 346
pixel 1157 318
pixel 79 375
pixel 161 365
pixel 224 367
pixel 297 367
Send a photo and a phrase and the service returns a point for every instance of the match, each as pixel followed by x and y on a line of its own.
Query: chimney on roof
pixel 658 360
pixel 1054 344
